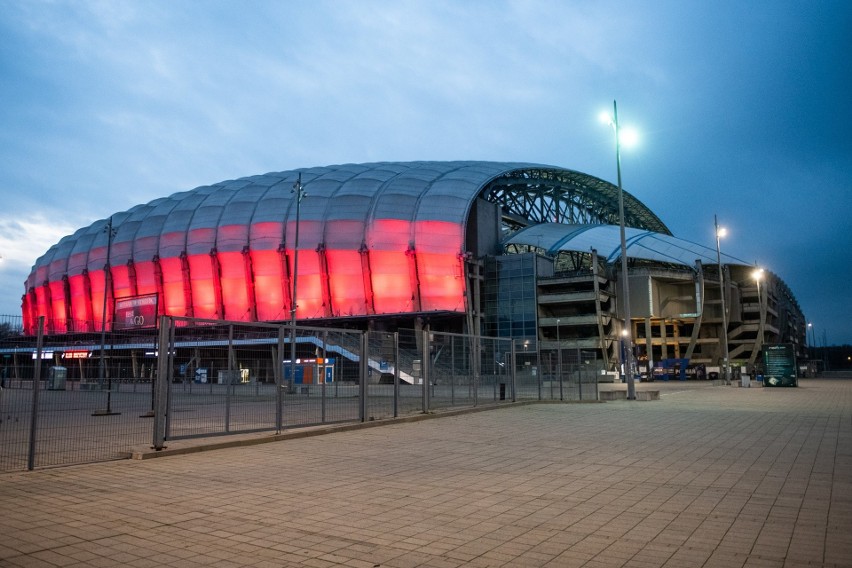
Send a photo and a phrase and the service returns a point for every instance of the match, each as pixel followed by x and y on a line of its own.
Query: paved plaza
pixel 709 476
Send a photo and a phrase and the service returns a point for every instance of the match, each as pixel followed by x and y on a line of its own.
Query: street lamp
pixel 721 232
pixel 110 231
pixel 813 340
pixel 299 190
pixel 625 288
pixel 761 313
pixel 757 274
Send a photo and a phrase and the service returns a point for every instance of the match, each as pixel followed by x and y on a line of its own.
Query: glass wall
pixel 510 296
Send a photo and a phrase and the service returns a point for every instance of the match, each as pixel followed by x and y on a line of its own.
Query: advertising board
pixel 135 312
pixel 779 364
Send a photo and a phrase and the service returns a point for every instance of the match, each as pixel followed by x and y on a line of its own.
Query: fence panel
pixel 15 422
pixel 569 375
pixel 91 406
pixel 228 377
pixel 382 393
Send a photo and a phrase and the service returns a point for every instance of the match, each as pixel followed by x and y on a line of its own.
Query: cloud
pixel 22 241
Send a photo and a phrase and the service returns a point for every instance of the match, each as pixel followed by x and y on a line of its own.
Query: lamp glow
pixel 629 136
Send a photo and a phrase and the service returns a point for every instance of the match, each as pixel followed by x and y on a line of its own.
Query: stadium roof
pixel 255 211
pixel 606 240
pixel 378 238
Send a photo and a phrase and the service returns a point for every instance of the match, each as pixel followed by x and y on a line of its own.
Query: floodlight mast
pixel 628 374
pixel 721 232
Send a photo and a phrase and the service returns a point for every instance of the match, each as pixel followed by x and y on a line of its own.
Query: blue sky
pixel 743 110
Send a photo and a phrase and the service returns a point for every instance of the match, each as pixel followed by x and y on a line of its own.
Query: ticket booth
pixel 310 371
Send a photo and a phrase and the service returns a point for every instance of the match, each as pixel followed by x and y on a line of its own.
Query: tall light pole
pixel 758 276
pixel 110 231
pixel 625 287
pixel 813 340
pixel 299 190
pixel 813 344
pixel 721 232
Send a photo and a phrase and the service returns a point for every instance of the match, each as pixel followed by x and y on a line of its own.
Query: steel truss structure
pixel 554 195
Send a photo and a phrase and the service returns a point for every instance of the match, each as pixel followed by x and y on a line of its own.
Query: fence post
pixel 279 386
pixel 538 368
pixel 425 367
pixel 170 366
pixel 514 374
pixel 559 372
pixel 36 378
pixel 395 374
pixel 228 378
pixel 162 380
pixel 453 370
pixel 363 370
pixel 597 392
pixel 323 371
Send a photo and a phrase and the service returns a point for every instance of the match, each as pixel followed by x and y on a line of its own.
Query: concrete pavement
pixel 710 476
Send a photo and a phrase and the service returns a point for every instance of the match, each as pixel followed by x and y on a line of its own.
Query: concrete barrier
pixel 613 395
pixel 648 395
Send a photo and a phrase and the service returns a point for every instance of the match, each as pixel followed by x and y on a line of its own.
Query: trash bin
pixel 713 376
pixel 502 391
pixel 56 378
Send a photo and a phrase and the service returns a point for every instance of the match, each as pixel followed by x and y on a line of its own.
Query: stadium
pixel 510 250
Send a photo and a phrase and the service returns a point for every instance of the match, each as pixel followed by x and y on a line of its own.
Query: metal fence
pixel 94 402
pixel 79 410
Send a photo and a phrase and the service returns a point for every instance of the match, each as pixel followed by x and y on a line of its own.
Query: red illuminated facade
pixel 374 239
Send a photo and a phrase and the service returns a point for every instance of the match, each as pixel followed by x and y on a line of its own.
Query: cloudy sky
pixel 743 110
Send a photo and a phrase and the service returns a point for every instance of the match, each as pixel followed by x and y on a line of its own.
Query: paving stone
pixel 707 476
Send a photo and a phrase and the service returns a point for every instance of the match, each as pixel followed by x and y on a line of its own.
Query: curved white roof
pixel 606 240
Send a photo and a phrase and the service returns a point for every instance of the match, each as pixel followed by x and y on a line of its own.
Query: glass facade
pixel 510 296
